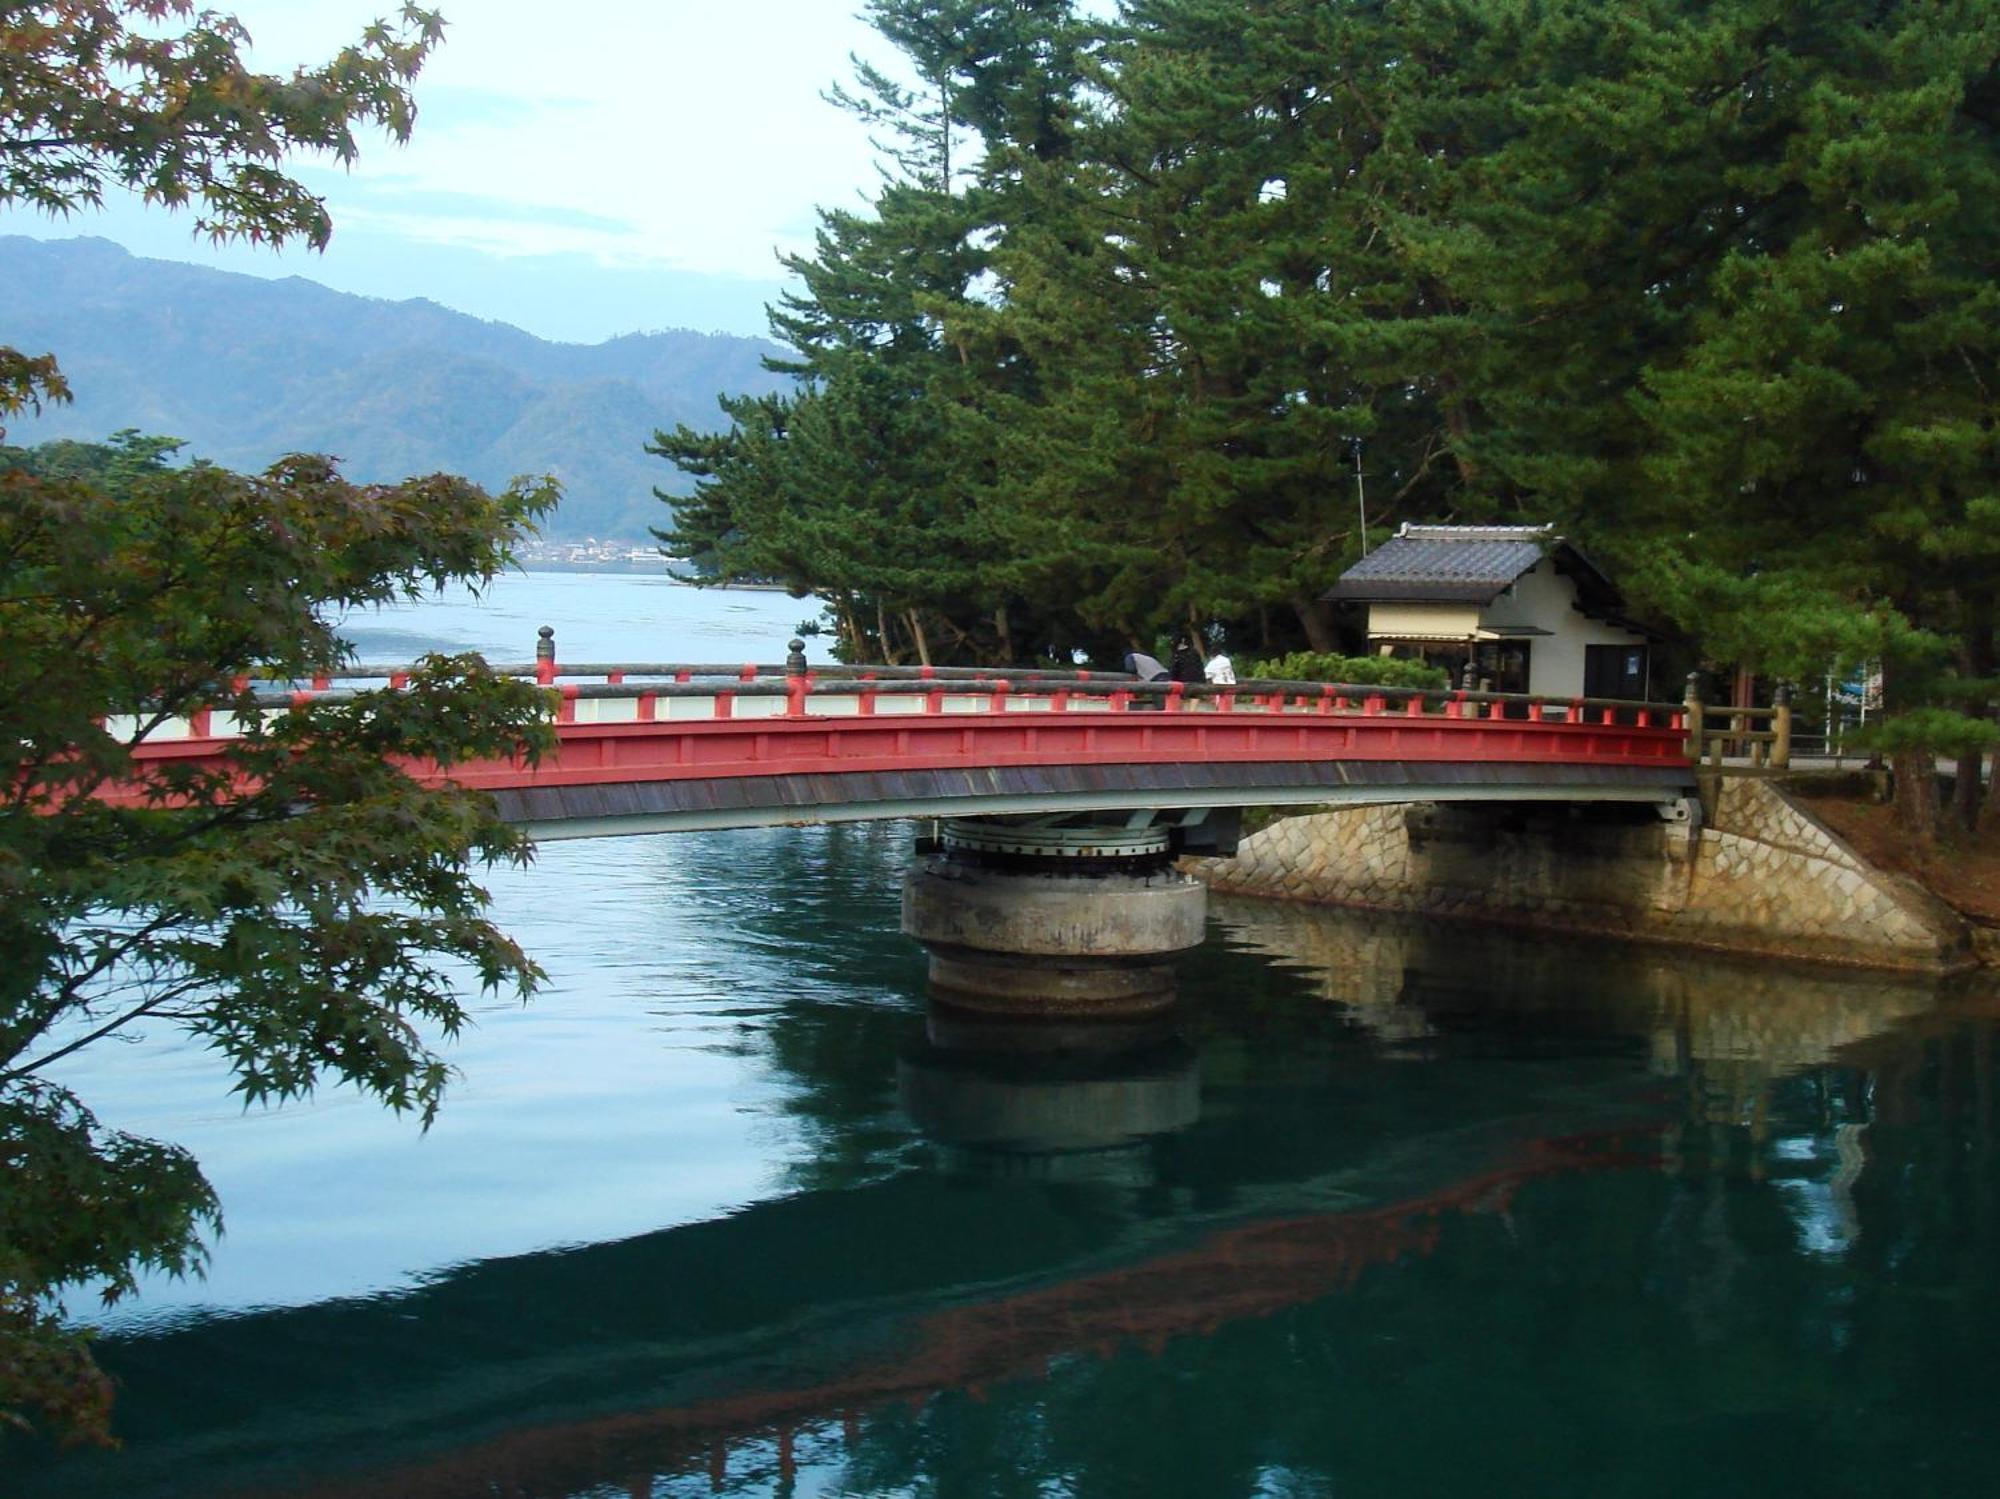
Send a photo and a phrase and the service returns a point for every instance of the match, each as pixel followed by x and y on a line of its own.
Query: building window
pixel 1614 671
pixel 1501 665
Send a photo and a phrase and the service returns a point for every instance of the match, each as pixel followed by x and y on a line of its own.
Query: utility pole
pixel 1361 496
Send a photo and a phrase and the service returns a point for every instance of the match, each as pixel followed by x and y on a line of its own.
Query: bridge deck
pixel 757 750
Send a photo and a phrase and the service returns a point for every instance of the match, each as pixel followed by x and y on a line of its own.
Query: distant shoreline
pixel 636 568
pixel 607 565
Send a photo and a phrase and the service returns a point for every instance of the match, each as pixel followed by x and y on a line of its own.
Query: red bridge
pixel 664 746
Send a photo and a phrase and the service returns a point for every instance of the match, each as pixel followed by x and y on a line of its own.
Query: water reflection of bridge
pixel 723 1346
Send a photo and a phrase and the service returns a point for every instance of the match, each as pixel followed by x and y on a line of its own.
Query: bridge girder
pixel 554 813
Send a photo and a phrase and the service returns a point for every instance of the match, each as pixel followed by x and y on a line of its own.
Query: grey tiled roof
pixel 1445 564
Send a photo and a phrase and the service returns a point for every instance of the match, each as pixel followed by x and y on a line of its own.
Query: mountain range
pixel 248 369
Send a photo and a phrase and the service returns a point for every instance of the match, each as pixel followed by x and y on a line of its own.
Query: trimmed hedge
pixel 1363 671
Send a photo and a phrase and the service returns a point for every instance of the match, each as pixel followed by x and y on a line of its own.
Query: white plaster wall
pixel 1545 599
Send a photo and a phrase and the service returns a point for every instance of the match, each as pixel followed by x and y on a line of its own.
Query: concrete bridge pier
pixel 1025 918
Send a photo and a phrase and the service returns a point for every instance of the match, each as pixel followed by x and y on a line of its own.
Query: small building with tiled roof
pixel 1527 609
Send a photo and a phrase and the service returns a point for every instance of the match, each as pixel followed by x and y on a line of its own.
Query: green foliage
pixel 151 96
pixel 1368 671
pixel 1928 732
pixel 1710 287
pixel 147 1210
pixel 120 458
pixel 307 909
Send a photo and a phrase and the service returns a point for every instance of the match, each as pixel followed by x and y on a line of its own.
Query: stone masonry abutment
pixel 1757 873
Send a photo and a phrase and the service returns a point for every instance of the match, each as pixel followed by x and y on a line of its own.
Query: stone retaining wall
pixel 1763 876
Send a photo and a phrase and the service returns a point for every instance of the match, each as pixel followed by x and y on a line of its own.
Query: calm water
pixel 1389 1209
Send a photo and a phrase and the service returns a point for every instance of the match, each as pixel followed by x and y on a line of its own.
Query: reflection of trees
pixel 1586 1222
pixel 807 921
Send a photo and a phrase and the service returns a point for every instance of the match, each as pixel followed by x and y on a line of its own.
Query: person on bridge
pixel 1146 668
pixel 1187 662
pixel 1221 671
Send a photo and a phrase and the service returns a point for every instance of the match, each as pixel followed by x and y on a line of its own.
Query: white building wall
pixel 1545 599
pixel 1541 599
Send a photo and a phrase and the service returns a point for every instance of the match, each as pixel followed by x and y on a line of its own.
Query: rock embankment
pixel 1754 872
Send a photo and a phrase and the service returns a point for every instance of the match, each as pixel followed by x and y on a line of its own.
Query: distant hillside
pixel 247 369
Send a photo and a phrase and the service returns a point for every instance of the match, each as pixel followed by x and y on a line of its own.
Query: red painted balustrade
pixel 623 723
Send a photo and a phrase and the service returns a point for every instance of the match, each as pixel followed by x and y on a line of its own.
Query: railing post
pixel 1781 725
pixel 545 655
pixel 795 679
pixel 1692 704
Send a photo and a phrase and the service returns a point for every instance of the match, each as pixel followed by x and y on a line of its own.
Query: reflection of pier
pixel 1074 1099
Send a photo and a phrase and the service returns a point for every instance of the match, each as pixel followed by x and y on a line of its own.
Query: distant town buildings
pixel 592 552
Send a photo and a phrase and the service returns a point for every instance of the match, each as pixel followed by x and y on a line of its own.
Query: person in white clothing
pixel 1220 671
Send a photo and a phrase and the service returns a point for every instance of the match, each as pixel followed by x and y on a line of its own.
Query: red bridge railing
pixel 628 722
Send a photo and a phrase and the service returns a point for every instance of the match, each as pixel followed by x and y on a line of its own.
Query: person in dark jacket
pixel 1187 665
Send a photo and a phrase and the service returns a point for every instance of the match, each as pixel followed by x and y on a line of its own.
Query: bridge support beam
pixel 1026 919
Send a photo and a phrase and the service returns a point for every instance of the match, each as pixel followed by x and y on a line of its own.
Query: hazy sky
pixel 581 169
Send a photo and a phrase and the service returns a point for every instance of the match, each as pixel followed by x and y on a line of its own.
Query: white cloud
pixel 581 169
pixel 698 124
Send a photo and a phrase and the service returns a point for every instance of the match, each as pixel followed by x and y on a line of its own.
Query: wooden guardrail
pixel 1762 735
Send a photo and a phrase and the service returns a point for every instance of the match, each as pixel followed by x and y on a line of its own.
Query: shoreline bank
pixel 1753 871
